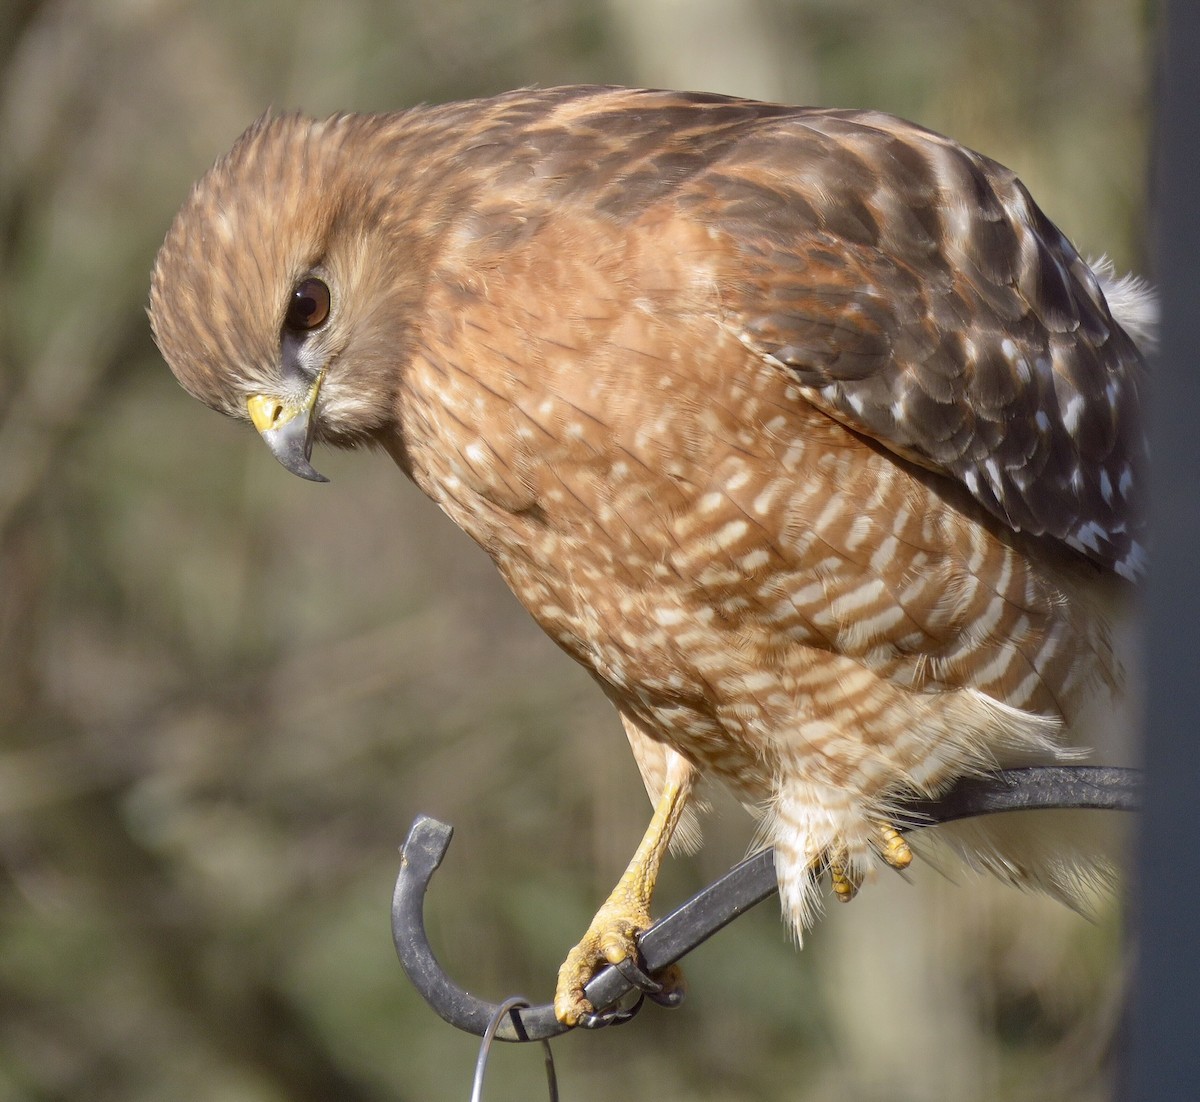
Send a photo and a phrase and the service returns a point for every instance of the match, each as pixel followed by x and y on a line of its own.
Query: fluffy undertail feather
pixel 1072 855
pixel 814 825
pixel 1133 302
pixel 799 865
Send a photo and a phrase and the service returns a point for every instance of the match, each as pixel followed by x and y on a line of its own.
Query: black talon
pixel 635 977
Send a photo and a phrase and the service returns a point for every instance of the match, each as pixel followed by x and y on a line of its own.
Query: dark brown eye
pixel 309 306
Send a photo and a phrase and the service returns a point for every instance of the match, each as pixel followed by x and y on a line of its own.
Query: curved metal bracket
pixel 713 908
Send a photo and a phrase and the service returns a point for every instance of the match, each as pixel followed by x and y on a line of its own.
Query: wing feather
pixel 918 295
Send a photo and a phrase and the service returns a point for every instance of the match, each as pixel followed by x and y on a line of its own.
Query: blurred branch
pixel 15 18
pixel 56 393
pixel 192 955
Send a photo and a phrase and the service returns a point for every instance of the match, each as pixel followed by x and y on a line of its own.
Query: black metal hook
pixel 713 908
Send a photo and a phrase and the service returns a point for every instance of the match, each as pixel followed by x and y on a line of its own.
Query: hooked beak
pixel 288 430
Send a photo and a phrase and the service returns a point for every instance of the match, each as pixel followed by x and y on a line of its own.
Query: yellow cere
pixel 269 413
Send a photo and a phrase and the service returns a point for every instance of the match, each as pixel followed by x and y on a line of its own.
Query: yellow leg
pixel 626 913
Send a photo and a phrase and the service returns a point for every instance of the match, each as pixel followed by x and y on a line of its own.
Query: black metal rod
pixel 1163 1056
pixel 744 886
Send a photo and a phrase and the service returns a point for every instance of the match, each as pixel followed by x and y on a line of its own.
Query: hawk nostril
pixel 267 413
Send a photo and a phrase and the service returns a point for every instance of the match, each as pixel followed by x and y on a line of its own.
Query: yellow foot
pixel 845 880
pixel 892 846
pixel 610 939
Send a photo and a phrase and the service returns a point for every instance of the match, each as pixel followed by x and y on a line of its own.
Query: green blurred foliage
pixel 225 693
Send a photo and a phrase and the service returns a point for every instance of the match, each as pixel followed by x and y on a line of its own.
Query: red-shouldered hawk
pixel 804 431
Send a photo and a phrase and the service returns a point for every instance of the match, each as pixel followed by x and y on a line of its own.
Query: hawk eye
pixel 309 306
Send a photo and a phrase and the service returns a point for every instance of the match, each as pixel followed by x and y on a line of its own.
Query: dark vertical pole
pixel 1164 1062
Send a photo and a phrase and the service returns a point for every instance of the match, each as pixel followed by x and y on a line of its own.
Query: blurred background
pixel 225 693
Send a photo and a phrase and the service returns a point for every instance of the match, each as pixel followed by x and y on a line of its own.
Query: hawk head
pixel 282 292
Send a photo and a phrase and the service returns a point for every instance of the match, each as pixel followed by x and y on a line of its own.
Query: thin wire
pixel 507 1007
